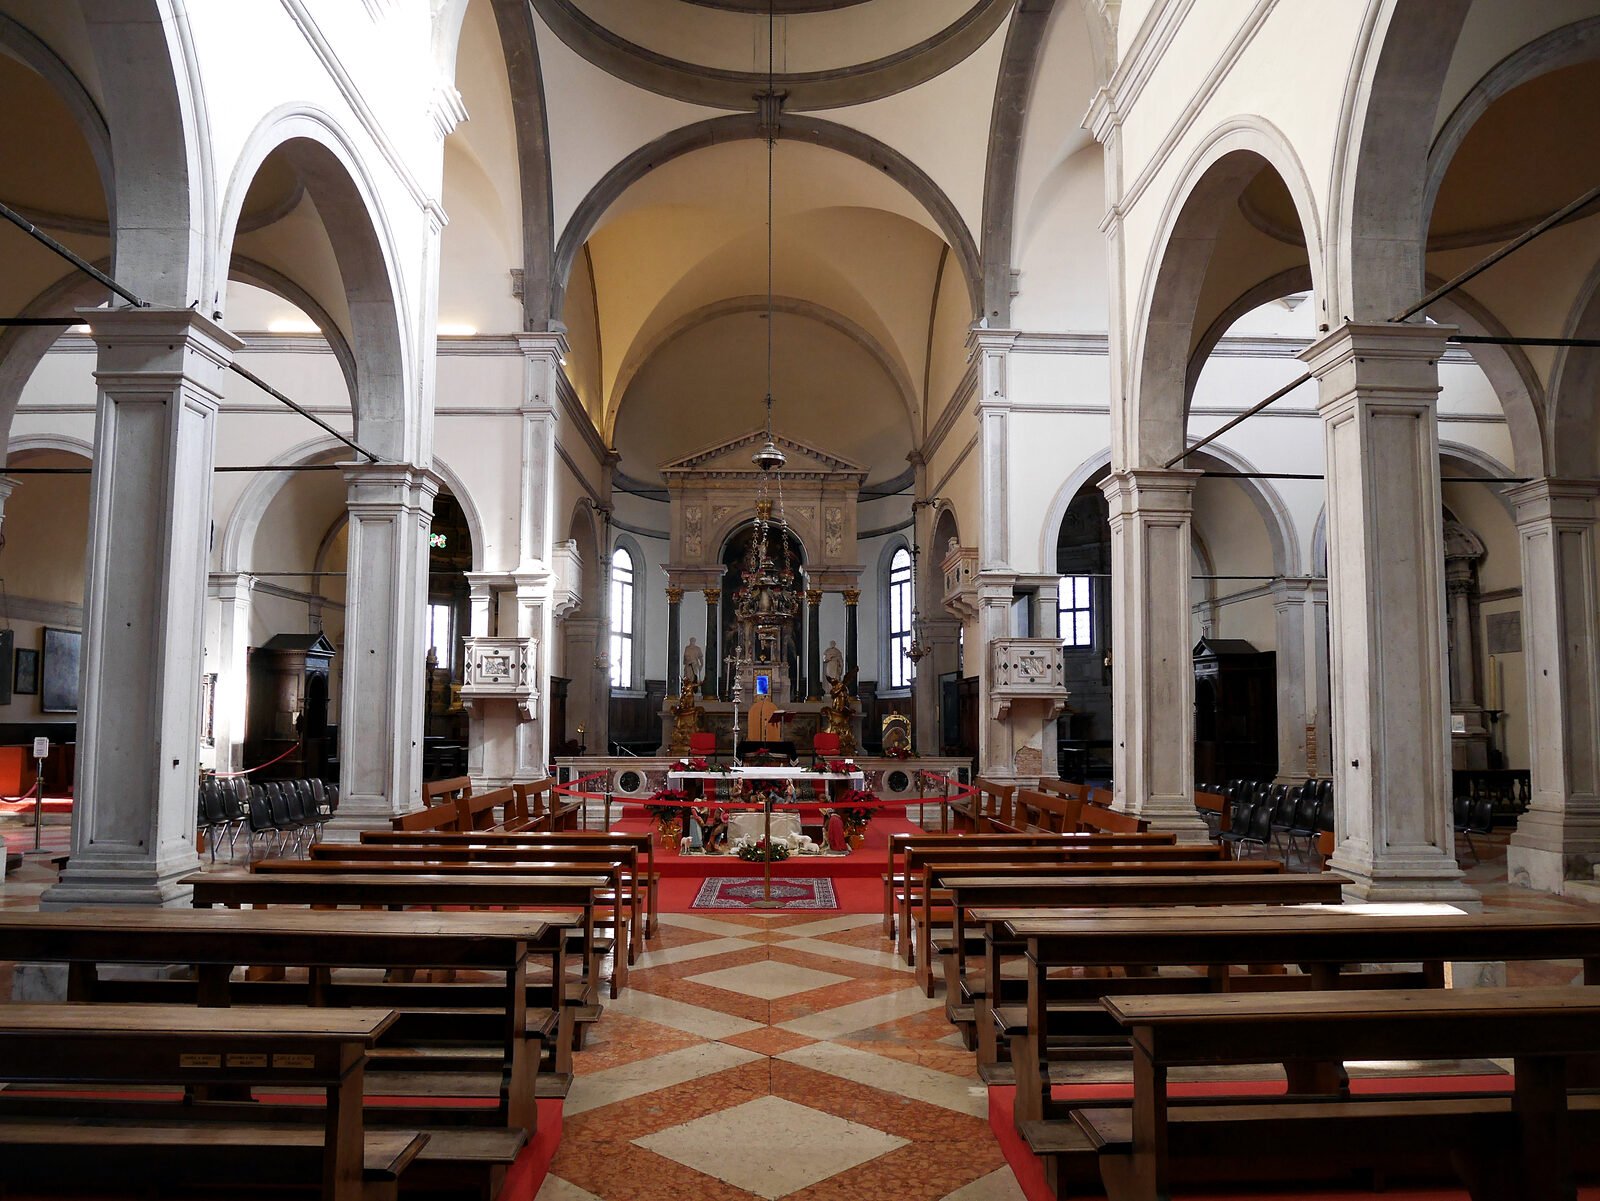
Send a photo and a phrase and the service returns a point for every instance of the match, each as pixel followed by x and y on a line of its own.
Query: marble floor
pixel 791 1056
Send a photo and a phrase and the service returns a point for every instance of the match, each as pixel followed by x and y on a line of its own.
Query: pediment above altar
pixel 731 459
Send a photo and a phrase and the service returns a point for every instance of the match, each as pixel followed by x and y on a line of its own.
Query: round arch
pixel 1175 273
pixel 1050 531
pixel 1574 384
pixel 62 443
pixel 638 357
pixel 742 126
pixel 386 421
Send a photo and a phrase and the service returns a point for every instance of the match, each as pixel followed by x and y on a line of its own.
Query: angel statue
pixel 838 713
pixel 686 717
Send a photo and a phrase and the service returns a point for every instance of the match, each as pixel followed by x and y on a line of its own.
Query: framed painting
pixel 25 672
pixel 58 671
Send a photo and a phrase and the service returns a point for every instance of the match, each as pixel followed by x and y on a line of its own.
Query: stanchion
pixel 38 803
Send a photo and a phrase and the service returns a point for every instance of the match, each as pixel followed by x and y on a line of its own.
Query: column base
pixel 1397 879
pixel 356 814
pixel 1550 850
pixel 1177 817
pixel 91 879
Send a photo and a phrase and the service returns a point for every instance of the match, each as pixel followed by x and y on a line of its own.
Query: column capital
pixel 852 596
pixel 1294 589
pixel 157 330
pixel 712 595
pixel 674 594
pixel 1399 360
pixel 230 585
pixel 813 596
pixel 1543 500
pixel 1151 490
pixel 543 344
pixel 390 484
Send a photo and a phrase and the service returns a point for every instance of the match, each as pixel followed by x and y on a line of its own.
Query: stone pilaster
pixel 1152 754
pixel 813 690
pixel 381 707
pixel 941 635
pixel 232 591
pixel 159 374
pixel 709 690
pixel 993 623
pixel 1301 607
pixel 1391 752
pixel 852 637
pixel 674 640
pixel 993 348
pixel 1559 836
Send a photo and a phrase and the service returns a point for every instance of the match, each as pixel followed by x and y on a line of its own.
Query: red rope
pixel 233 775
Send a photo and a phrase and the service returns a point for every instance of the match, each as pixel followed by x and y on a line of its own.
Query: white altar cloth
pixel 798 774
pixel 751 825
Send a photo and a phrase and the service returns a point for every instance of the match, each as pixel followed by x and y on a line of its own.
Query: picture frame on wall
pixel 58 671
pixel 25 672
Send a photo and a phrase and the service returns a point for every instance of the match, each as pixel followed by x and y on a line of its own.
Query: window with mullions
pixel 622 619
pixel 900 619
pixel 1077 610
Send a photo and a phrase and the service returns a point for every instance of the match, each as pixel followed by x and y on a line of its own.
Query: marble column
pixel 1379 387
pixel 542 380
pixel 941 634
pixel 993 351
pixel 381 705
pixel 1559 836
pixel 159 375
pixel 713 597
pixel 852 638
pixel 1301 607
pixel 1152 754
pixel 674 640
pixel 813 690
pixel 994 736
pixel 232 591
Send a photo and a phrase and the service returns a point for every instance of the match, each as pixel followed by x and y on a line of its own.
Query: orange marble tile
pixel 769 1040
pixel 621 1039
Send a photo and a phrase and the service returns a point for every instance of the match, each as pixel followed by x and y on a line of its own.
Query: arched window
pixel 1077 610
pixel 622 619
pixel 900 619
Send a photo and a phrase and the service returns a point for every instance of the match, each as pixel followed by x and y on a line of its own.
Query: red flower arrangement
pixel 667 804
pixel 838 767
pixel 856 807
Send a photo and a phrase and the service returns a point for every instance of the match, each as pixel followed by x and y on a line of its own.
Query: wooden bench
pixel 215 942
pixel 436 818
pixel 988 798
pixel 895 880
pixel 970 996
pixel 1323 940
pixel 601 877
pixel 643 845
pixel 543 806
pixel 196 1048
pixel 476 811
pixel 620 861
pixel 1542 1029
pixel 571 1010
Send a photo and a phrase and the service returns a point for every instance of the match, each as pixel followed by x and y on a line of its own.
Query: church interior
pixel 966 600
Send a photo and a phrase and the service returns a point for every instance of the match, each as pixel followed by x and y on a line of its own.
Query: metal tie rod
pixel 304 412
pixel 235 468
pixel 77 260
pixel 1250 412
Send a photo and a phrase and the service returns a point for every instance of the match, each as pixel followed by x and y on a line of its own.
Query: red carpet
pixel 869 860
pixel 1029 1169
pixel 855 894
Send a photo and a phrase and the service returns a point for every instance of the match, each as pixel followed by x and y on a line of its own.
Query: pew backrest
pixel 445 792
pixel 438 817
pixel 477 812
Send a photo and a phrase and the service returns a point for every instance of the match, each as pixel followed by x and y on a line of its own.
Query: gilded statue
pixel 837 715
pixel 686 717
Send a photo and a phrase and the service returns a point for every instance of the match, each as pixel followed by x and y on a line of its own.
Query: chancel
pixel 760 598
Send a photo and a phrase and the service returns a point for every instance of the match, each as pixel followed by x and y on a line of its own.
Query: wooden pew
pixel 1323 939
pixel 165 1144
pixel 1543 1029
pixel 642 845
pixel 436 818
pixel 895 880
pixel 571 1011
pixel 215 942
pixel 446 792
pixel 545 808
pixel 609 872
pixel 476 811
pixel 618 859
pixel 918 860
pixel 971 996
pixel 1090 861
pixel 990 798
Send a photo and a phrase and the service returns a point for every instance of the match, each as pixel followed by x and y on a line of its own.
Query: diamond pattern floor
pixel 775 1056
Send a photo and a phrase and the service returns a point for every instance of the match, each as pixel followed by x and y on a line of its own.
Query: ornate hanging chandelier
pixel 769 592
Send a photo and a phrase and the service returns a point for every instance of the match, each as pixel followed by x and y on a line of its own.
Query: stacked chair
pixel 1259 813
pixel 286 813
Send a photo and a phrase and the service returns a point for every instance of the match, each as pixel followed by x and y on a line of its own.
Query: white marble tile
pixel 557 1189
pixel 691 1019
pixel 862 1015
pixel 697 950
pixel 663 1071
pixel 891 1075
pixel 704 925
pixel 768 980
pixel 850 954
pixel 769 1146
pixel 999 1185
pixel 832 925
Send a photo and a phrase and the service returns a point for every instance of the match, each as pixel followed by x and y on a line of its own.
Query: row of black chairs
pixel 1473 815
pixel 1261 812
pixel 284 812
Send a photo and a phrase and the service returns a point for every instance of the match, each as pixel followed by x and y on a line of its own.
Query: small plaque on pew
pixel 294 1061
pixel 251 1060
pixel 199 1061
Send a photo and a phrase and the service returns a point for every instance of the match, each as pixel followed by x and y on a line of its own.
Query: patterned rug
pixel 739 892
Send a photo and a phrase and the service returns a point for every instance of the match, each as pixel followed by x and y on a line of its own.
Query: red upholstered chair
pixel 703 745
pixel 824 746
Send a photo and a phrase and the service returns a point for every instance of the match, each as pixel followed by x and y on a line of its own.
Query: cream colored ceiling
pixel 688 243
pixel 729 40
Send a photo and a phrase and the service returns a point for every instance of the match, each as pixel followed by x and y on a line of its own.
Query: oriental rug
pixel 740 892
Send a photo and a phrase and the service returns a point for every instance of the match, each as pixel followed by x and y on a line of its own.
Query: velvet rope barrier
pixel 573 788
